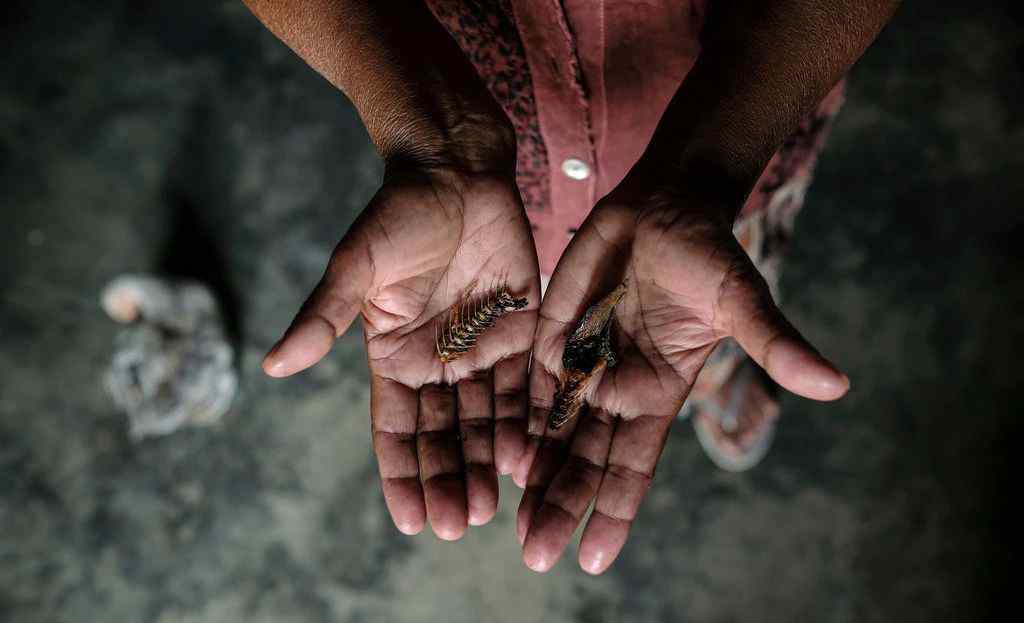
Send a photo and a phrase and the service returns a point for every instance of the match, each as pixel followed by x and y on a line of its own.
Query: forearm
pixel 418 96
pixel 765 65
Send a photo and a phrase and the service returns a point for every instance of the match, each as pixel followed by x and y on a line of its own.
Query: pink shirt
pixel 603 74
pixel 585 83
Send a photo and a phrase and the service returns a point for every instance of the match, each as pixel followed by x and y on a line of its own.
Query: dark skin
pixel 447 214
pixel 666 231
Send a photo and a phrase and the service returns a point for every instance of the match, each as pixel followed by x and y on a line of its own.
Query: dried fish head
pixel 590 341
pixel 588 352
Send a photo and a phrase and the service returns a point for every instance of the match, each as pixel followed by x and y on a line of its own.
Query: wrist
pixel 715 137
pixel 697 184
pixel 470 141
pixel 444 121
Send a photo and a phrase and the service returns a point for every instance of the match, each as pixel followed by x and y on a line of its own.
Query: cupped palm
pixel 424 241
pixel 689 285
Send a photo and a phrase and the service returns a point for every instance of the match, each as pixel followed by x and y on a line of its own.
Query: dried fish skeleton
pixel 588 352
pixel 456 334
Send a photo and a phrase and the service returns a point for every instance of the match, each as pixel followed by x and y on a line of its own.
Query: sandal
pixel 736 424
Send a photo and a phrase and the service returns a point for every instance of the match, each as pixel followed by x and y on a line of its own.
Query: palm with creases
pixel 439 429
pixel 689 285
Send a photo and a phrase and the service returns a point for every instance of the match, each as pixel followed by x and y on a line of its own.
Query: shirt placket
pixel 564 116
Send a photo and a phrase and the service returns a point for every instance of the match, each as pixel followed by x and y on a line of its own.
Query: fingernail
pixel 449 532
pixel 519 480
pixel 593 564
pixel 537 561
pixel 837 384
pixel 304 344
pixel 409 527
pixel 504 462
pixel 803 371
pixel 272 365
pixel 481 517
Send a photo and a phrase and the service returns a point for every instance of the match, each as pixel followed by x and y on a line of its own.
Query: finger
pixel 531 444
pixel 770 340
pixel 590 267
pixel 543 385
pixel 393 411
pixel 549 453
pixel 570 493
pixel 636 446
pixel 440 461
pixel 326 315
pixel 476 426
pixel 510 411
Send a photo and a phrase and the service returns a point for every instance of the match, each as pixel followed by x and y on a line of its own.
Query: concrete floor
pixel 137 139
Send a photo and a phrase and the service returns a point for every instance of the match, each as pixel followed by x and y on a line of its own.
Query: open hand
pixel 689 285
pixel 439 429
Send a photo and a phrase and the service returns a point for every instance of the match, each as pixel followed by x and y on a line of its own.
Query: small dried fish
pixel 457 333
pixel 588 351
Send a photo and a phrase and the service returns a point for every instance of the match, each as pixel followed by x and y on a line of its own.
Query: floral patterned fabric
pixel 486 32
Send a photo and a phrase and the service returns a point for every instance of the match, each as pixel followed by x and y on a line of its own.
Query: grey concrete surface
pixel 151 136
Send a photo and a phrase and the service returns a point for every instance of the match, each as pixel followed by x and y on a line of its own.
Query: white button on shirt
pixel 576 169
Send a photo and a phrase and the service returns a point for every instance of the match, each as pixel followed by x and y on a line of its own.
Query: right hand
pixel 440 431
pixel 689 284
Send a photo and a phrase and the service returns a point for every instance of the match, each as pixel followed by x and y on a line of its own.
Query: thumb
pixel 325 316
pixel 769 339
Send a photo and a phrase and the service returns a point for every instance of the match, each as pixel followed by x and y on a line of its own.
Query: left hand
pixel 689 285
pixel 440 430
